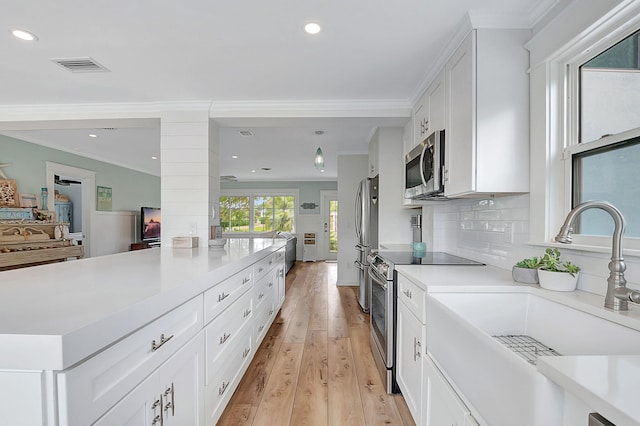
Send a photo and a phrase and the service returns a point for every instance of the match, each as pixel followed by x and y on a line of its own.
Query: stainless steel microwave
pixel 424 168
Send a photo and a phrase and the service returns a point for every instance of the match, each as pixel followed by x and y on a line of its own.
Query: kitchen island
pixel 57 319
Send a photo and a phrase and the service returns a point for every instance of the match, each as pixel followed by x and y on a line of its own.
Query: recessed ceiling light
pixel 312 28
pixel 266 169
pixel 91 135
pixel 234 156
pixel 319 132
pixel 322 171
pixel 253 171
pixel 23 35
pixel 154 158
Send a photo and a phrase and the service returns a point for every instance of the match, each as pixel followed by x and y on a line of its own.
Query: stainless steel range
pixel 383 281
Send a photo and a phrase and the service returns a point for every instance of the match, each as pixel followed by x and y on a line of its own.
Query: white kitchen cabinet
pixel 420 115
pixel 443 406
pixel 486 117
pixel 280 280
pixel 409 353
pixel 374 150
pixel 172 395
pixel 436 100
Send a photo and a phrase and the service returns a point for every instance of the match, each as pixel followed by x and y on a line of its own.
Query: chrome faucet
pixel 618 295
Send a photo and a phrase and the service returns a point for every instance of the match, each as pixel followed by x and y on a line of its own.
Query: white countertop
pixel 53 316
pixel 605 383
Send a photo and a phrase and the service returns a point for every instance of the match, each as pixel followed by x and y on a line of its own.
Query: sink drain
pixel 526 346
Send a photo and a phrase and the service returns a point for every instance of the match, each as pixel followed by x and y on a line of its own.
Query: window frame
pixel 600 39
pixel 252 194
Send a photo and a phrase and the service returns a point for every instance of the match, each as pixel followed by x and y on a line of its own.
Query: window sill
pixel 586 248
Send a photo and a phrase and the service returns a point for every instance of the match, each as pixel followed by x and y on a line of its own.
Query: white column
pixel 190 177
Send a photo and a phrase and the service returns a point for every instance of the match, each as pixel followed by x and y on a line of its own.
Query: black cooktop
pixel 425 258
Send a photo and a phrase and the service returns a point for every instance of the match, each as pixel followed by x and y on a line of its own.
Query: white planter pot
pixel 557 281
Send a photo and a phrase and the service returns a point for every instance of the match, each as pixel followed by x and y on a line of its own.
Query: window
pixel 605 161
pixel 610 91
pixel 257 213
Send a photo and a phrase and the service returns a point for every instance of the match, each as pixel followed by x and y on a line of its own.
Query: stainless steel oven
pixel 383 309
pixel 382 315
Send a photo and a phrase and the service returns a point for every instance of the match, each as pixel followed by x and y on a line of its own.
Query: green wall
pixel 309 191
pixel 131 189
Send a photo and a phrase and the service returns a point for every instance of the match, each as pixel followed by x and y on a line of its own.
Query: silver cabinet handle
pixel 416 345
pixel 270 311
pixel 271 284
pixel 170 404
pixel 246 280
pixel 224 338
pixel 247 313
pixel 223 388
pixel 157 419
pixel 260 269
pixel 407 293
pixel 260 328
pixel 245 353
pixel 260 296
pixel 155 346
pixel 222 296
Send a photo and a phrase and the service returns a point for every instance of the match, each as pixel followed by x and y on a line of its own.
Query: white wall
pixel 393 219
pixel 351 170
pixel 496 232
pixel 113 232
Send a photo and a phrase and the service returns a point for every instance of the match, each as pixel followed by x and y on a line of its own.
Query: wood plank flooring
pixel 315 365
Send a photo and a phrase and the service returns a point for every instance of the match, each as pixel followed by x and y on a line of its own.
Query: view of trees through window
pixel 259 213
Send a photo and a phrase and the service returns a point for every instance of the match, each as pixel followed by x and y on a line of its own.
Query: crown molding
pixel 304 109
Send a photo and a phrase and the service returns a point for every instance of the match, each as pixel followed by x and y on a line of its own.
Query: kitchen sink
pixel 466 334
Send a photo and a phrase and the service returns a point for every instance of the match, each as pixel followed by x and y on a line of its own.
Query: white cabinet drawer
pixel 222 332
pixel 219 297
pixel 264 289
pixel 224 374
pixel 264 315
pixel 262 267
pixel 91 388
pixel 414 297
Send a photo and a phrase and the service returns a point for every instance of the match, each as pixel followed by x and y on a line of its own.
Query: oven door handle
pixel 376 278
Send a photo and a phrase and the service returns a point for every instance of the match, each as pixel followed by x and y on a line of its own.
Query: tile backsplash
pixel 496 231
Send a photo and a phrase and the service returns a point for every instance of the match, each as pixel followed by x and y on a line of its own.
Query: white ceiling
pixel 237 51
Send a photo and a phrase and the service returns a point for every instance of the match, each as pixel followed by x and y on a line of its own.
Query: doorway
pixel 329 212
pixel 87 184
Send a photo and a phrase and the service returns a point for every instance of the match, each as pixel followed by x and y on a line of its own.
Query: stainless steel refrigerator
pixel 366 226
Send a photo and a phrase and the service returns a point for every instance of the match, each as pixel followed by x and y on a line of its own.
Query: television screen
pixel 150 218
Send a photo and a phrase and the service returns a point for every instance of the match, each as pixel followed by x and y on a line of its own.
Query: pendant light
pixel 318 161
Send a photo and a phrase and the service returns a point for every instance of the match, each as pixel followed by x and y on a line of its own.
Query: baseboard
pixel 347 284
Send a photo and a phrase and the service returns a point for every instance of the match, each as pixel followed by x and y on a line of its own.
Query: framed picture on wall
pixel 105 198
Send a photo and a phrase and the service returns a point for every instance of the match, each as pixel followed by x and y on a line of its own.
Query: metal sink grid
pixel 526 346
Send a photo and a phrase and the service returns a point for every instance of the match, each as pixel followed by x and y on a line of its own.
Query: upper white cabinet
pixel 429 112
pixel 374 149
pixel 486 115
pixel 421 119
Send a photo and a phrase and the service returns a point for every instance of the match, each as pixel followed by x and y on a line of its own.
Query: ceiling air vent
pixel 80 65
pixel 228 178
pixel 245 133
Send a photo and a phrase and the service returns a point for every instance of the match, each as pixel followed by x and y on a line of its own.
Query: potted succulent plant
pixel 555 274
pixel 526 271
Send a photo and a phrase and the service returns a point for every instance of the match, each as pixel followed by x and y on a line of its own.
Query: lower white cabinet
pixel 409 354
pixel 443 406
pixel 430 398
pixel 173 395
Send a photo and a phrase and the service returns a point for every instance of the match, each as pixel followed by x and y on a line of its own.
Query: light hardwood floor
pixel 315 365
